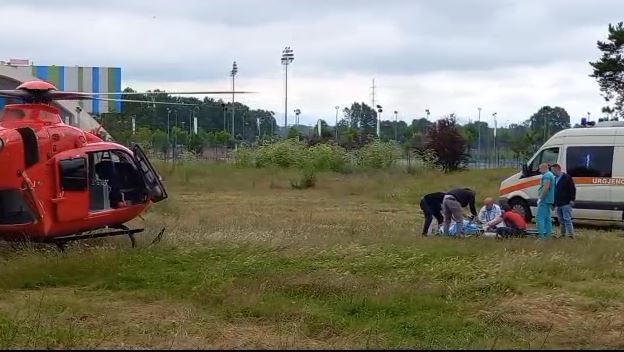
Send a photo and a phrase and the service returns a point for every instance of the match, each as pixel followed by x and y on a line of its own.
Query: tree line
pixel 162 126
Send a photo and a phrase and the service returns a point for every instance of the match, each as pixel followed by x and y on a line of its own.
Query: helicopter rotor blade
pixel 13 93
pixel 142 101
pixel 162 93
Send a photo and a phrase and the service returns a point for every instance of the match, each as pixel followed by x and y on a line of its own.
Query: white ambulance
pixel 593 156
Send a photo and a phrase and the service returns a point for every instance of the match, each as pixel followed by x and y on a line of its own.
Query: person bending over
pixel 453 206
pixel 431 206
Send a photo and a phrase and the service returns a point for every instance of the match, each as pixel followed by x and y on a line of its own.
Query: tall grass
pixel 247 262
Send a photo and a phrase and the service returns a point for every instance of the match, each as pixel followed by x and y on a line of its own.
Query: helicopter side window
pixel 73 174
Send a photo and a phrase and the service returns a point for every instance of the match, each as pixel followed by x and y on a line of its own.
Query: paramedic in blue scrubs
pixel 545 202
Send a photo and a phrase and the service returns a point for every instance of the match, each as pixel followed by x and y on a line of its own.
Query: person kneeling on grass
pixel 515 225
pixel 491 215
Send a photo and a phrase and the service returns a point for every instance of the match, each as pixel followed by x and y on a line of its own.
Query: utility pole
pixel 233 74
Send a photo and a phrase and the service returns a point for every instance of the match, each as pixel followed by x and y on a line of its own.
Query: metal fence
pixel 227 155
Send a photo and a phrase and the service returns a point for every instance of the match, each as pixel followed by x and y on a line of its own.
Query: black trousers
pixel 430 213
pixel 510 232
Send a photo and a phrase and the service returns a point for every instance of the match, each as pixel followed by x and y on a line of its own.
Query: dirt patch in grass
pixel 557 319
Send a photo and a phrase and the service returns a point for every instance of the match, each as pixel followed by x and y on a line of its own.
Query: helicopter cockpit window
pixel 19 114
pixel 115 180
pixel 73 174
pixel 12 114
pixel 49 117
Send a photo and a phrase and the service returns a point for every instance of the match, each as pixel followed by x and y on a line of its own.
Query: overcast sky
pixel 509 57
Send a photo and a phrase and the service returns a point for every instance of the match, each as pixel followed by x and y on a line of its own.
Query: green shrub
pixel 325 157
pixel 283 154
pixel 378 155
pixel 321 157
pixel 244 157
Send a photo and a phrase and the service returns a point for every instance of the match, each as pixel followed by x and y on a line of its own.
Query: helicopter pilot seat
pixel 105 170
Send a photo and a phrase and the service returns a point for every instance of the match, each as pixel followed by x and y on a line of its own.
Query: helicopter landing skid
pixel 62 241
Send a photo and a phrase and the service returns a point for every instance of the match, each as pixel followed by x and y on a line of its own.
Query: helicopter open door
pixel 155 188
pixel 72 200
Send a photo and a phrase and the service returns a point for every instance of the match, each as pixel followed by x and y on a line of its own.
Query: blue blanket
pixel 469 229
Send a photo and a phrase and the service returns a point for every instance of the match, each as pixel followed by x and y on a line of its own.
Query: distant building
pixel 68 78
pixel 77 79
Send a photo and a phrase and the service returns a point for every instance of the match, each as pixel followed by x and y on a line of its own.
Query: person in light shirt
pixel 491 215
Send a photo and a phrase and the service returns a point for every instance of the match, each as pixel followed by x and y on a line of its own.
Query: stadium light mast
pixel 428 113
pixel 168 130
pixel 297 113
pixel 233 74
pixel 396 126
pixel 287 58
pixel 193 118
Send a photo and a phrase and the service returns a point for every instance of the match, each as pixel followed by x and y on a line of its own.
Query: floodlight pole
pixel 191 115
pixel 396 126
pixel 168 132
pixel 287 59
pixel 233 74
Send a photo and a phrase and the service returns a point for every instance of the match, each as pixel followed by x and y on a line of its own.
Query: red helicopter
pixel 59 183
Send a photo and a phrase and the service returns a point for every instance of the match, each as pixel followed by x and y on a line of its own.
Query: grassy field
pixel 248 262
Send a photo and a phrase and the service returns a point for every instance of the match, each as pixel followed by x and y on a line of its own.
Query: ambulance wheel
pixel 521 206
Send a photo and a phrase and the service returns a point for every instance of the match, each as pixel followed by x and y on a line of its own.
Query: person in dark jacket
pixel 565 195
pixel 452 207
pixel 431 206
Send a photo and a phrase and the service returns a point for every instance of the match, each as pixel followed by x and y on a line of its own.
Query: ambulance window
pixel 549 156
pixel 590 161
pixel 73 174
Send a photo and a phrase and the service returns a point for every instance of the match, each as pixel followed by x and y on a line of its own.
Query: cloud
pixel 449 56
